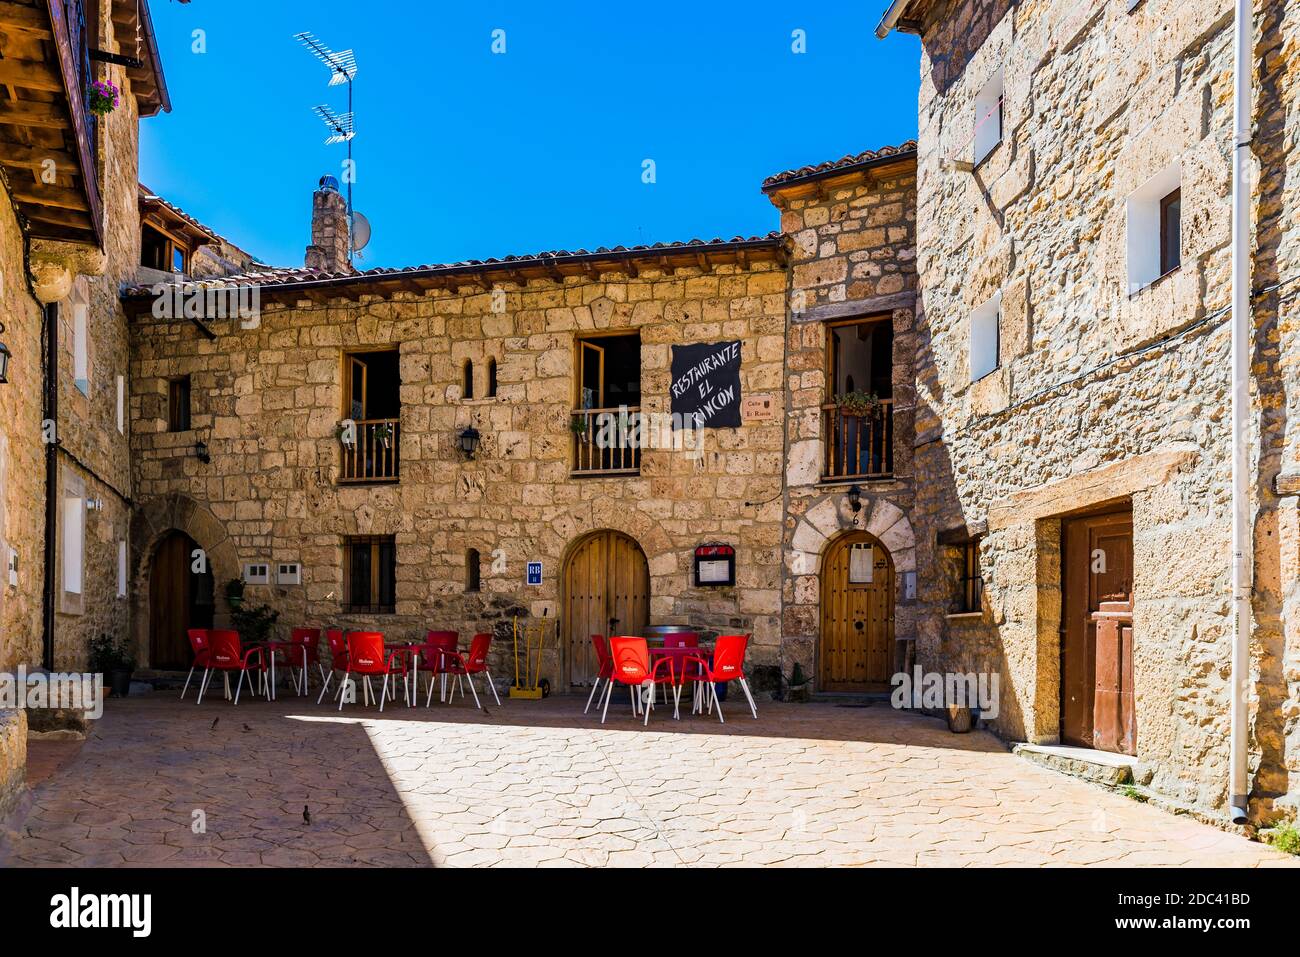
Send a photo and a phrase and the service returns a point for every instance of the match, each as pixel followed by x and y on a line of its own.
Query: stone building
pixel 849 592
pixel 400 525
pixel 68 239
pixel 1072 449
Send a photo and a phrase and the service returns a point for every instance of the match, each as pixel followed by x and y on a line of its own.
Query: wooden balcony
pixel 858 447
pixel 373 458
pixel 593 454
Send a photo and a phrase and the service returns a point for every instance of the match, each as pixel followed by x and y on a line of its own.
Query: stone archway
pixel 806 550
pixel 155 520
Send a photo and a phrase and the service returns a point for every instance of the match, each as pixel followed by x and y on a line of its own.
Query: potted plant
pixel 111 657
pixel 235 592
pixel 254 624
pixel 798 684
pixel 384 434
pixel 858 404
pixel 102 97
pixel 578 424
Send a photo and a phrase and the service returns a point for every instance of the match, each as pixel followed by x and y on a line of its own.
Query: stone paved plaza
pixel 540 783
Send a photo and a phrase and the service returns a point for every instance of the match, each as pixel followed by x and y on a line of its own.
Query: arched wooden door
pixel 179 600
pixel 606 592
pixel 857 620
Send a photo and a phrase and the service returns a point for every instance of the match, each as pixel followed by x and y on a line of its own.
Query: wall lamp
pixel 855 499
pixel 4 359
pixel 201 452
pixel 468 441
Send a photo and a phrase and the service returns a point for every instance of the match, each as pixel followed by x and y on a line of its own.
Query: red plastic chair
pixel 433 658
pixel 304 653
pixel 367 657
pixel 226 654
pixel 467 666
pixel 604 664
pixel 338 659
pixel 631 659
pixel 200 646
pixel 728 665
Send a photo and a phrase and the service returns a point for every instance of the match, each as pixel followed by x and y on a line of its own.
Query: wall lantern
pixel 4 359
pixel 855 498
pixel 468 441
pixel 201 452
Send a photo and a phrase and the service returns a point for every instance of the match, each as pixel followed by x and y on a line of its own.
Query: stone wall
pixel 853 256
pixel 1105 392
pixel 13 758
pixel 267 401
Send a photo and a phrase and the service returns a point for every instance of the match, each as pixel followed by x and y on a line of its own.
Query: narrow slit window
pixel 472 570
pixel 467 389
pixel 178 404
pixel 492 378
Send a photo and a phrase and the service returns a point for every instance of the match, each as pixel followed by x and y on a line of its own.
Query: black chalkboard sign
pixel 705 387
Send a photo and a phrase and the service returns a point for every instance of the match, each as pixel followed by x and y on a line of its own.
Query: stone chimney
pixel 328 251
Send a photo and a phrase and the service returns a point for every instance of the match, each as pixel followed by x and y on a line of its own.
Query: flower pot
pixel 234 600
pixel 120 682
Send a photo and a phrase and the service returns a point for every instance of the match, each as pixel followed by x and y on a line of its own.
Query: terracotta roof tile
pixel 835 166
pixel 284 277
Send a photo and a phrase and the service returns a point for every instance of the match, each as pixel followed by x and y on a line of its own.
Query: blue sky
pixel 466 154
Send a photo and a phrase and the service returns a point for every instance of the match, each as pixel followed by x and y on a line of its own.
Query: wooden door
pixel 179 600
pixel 606 592
pixel 857 616
pixel 1097 704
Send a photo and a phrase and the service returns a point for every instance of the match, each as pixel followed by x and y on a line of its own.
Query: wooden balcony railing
pixel 373 457
pixel 858 447
pixel 599 449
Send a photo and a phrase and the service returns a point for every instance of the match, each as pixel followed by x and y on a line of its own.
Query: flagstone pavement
pixel 165 782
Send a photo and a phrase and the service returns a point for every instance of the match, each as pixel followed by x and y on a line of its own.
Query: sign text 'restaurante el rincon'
pixel 705 385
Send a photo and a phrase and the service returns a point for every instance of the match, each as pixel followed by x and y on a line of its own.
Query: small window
pixel 370 574
pixel 492 379
pixel 970 593
pixel 472 570
pixel 1171 232
pixel 1154 228
pixel 121 404
pixel 178 405
pixel 74 542
pixel 288 573
pixel 121 569
pixel 81 347
pixel 988 117
pixel 467 385
pixel 984 344
pixel 257 573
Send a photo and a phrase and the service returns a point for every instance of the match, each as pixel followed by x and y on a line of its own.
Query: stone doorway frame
pixel 151 523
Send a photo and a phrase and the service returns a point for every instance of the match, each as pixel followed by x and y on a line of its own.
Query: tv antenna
pixel 343 68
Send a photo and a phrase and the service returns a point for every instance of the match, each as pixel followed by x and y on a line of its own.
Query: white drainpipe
pixel 1238 783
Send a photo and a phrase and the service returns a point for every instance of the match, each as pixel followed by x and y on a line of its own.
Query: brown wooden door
pixel 606 592
pixel 857 620
pixel 1097 705
pixel 179 600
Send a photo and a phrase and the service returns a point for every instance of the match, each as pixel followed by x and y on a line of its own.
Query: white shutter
pixel 74 540
pixel 121 404
pixel 80 349
pixel 121 569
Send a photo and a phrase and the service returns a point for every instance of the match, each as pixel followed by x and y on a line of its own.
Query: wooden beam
pixel 56 196
pixel 31 75
pixel 16 18
pixel 48 116
pixel 34 157
pixel 60 217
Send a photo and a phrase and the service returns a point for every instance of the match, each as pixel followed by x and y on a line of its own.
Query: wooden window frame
pixel 180 411
pixel 375 544
pixel 828 365
pixel 970 592
pixel 1170 259
pixel 173 243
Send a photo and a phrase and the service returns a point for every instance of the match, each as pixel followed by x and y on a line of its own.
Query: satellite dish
pixel 360 232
